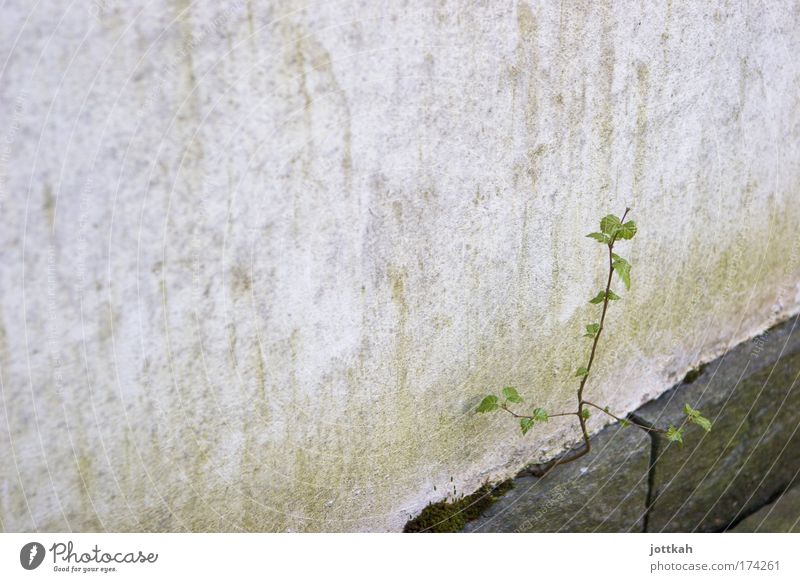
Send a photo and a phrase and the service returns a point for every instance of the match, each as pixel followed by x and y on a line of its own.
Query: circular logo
pixel 31 555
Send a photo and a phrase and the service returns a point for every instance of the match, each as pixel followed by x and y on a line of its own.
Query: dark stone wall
pixel 636 481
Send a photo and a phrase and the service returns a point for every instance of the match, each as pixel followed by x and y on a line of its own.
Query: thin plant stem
pixel 673 434
pixel 582 416
pixel 628 420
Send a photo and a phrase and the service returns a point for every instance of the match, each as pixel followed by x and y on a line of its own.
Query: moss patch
pixel 444 517
pixel 693 375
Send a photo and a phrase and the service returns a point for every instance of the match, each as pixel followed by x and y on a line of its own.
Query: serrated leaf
pixel 610 224
pixel 599 298
pixel 599 237
pixel 581 372
pixel 675 435
pixel 695 416
pixel 612 296
pixel 525 424
pixel 702 422
pixel 592 329
pixel 512 395
pixel 623 269
pixel 540 415
pixel 691 412
pixel 488 404
pixel 585 413
pixel 627 231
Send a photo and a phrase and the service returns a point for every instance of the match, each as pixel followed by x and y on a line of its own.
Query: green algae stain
pixel 262 399
pixel 528 60
pixel 49 205
pixel 640 138
pixel 397 280
pixel 604 119
pixel 241 280
pixel 709 289
pixel 312 498
pixel 89 520
pixel 356 468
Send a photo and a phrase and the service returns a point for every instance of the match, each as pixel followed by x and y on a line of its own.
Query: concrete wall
pixel 259 260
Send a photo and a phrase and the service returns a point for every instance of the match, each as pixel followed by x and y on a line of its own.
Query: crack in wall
pixel 769 501
pixel 652 494
pixel 652 491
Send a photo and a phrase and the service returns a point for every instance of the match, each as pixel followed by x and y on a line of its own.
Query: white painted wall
pixel 259 260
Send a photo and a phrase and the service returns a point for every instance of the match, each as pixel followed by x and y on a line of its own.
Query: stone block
pixel 753 450
pixel 605 491
pixel 782 516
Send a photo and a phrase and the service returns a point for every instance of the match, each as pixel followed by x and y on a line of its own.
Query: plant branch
pixel 582 417
pixel 596 339
pixel 628 420
pixel 612 229
pixel 603 314
pixel 515 415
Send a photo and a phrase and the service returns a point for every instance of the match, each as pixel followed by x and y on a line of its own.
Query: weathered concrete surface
pixel 781 516
pixel 753 451
pixel 259 260
pixel 605 491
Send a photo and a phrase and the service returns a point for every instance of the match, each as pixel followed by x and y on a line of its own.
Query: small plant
pixel 612 230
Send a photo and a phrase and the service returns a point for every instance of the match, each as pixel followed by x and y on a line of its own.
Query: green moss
pixel 444 517
pixel 694 374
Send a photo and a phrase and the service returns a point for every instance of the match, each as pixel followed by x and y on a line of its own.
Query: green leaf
pixel 702 422
pixel 581 372
pixel 690 412
pixel 585 413
pixel 610 224
pixel 525 424
pixel 599 298
pixel 696 417
pixel 627 231
pixel 540 415
pixel 600 237
pixel 512 395
pixel 624 423
pixel 488 404
pixel 623 269
pixel 675 435
pixel 592 329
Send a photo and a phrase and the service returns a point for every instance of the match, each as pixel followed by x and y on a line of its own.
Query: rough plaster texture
pixel 260 259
